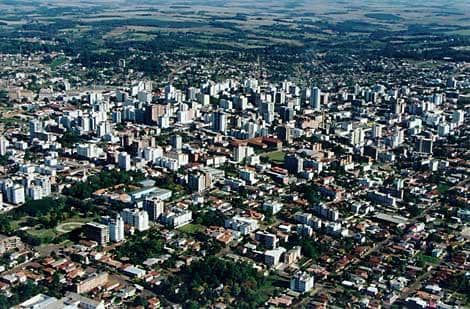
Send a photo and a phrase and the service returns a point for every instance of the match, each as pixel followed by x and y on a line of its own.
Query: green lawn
pixel 428 259
pixel 276 156
pixel 43 233
pixel 57 62
pixel 47 235
pixel 192 228
pixel 443 188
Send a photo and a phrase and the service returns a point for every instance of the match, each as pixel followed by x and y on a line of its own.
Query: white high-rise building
pixel 35 126
pixel 377 131
pixel 241 152
pixel 3 145
pixel 357 136
pixel 116 229
pixel 315 98
pixel 15 194
pixel 152 154
pixel 137 218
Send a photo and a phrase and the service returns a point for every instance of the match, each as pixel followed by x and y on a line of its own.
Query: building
pixel 294 164
pixel 154 207
pixel 219 122
pixel 377 131
pixel 137 218
pixel 177 217
pixel 115 227
pixel 153 192
pixel 97 232
pixel 248 176
pixel 70 301
pixel 15 194
pixel 293 255
pixel 176 142
pixel 3 145
pixel 273 257
pixel 268 240
pixel 199 181
pixel 241 152
pixel 40 301
pixel 315 97
pixel 76 301
pixel 134 272
pixel 382 198
pixel 301 282
pixel 272 207
pixel 424 145
pixel 241 224
pixel 124 161
pixel 8 244
pixel 89 151
pixel 458 117
pixel 91 283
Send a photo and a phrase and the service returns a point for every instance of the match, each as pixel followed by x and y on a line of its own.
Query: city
pixel 160 174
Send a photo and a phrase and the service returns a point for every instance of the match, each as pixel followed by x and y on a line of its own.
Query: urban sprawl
pixel 233 192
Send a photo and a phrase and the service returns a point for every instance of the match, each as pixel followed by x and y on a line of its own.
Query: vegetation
pixel 105 179
pixel 423 259
pixel 42 217
pixel 192 228
pixel 210 218
pixel 21 293
pixel 204 281
pixel 140 248
pixel 69 138
pixel 276 157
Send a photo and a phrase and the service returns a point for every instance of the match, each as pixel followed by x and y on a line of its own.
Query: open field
pixel 192 228
pixel 278 32
pixel 276 156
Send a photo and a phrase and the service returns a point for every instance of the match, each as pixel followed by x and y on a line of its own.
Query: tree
pixel 5 226
pixel 140 301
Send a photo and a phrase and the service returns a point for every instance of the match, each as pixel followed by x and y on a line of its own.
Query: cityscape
pixel 217 154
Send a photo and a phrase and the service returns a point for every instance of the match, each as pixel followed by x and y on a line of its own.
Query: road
pixel 176 70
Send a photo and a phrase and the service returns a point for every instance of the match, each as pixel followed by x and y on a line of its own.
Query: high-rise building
pixel 377 131
pixel 357 136
pixel 315 98
pixel 15 194
pixel 458 117
pixel 35 126
pixel 3 145
pixel 219 121
pixel 176 142
pixel 154 207
pixel 301 282
pixel 124 161
pixel 424 145
pixel 284 133
pixel 294 164
pixel 199 181
pixel 398 107
pixel 137 218
pixel 116 228
pixel 97 232
pixel 241 152
pixel 287 113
